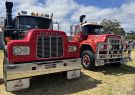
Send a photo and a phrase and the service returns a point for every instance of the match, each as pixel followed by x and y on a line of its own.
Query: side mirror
pixel 75 29
pixel 56 26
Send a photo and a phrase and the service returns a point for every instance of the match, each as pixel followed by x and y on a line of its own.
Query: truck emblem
pixel 48 33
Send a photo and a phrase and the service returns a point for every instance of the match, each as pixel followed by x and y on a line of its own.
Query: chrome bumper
pixel 23 70
pixel 113 55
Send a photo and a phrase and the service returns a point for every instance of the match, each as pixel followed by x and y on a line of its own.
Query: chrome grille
pixel 49 46
pixel 115 43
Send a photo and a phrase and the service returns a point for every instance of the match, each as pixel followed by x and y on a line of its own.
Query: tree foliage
pixel 112 26
pixel 130 35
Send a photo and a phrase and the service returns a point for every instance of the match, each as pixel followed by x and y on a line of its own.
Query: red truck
pixel 97 49
pixel 32 47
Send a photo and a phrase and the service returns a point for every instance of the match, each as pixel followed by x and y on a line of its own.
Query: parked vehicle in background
pixel 97 49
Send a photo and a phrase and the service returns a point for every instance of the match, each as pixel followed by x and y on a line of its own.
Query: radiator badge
pixel 49 33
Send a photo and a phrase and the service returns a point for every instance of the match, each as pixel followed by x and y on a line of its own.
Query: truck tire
pixel 88 60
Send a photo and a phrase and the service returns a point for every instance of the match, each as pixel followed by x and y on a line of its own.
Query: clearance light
pixel 33 14
pixel 24 12
pixel 19 14
pixel 42 15
pixel 21 50
pixel 36 14
pixel 46 15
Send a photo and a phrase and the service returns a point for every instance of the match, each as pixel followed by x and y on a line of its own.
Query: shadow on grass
pixel 116 70
pixel 56 84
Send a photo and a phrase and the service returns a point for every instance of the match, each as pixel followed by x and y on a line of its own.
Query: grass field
pixel 106 80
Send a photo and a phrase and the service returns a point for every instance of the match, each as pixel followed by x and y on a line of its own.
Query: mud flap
pixel 73 74
pixel 19 84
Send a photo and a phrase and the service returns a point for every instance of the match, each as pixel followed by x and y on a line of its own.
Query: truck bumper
pixel 25 70
pixel 113 55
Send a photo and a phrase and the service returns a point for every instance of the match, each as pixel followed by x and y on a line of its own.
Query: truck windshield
pixel 92 29
pixel 30 22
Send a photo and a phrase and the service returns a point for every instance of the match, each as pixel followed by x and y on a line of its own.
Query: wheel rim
pixel 86 59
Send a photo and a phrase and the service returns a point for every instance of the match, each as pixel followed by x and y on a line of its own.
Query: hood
pixel 101 38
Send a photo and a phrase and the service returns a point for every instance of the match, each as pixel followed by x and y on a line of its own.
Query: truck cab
pixel 91 29
pixel 81 32
pixel 96 48
pixel 22 23
pixel 32 47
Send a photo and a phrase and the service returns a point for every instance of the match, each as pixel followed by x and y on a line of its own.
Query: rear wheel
pixel 88 60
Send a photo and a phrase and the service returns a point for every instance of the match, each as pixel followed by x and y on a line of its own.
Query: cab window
pixel 91 29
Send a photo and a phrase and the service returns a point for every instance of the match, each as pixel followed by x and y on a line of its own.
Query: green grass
pixel 1 55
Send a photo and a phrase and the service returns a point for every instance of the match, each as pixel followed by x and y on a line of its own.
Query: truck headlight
pixel 101 46
pixel 120 46
pixel 111 46
pixel 21 50
pixel 72 48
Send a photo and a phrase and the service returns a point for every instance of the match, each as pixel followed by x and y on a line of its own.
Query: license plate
pixel 73 74
pixel 48 66
pixel 19 84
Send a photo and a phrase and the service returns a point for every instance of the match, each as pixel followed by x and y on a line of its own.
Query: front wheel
pixel 88 60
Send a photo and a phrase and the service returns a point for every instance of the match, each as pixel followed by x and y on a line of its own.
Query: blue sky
pixel 67 12
pixel 102 3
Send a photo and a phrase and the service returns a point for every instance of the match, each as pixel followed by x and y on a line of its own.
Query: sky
pixel 67 12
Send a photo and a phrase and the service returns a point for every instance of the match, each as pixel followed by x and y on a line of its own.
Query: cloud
pixel 67 12
pixel 125 14
pixel 60 9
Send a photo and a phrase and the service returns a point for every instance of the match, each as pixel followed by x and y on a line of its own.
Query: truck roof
pixel 34 16
pixel 92 24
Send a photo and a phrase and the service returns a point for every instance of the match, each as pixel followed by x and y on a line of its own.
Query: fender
pixel 87 46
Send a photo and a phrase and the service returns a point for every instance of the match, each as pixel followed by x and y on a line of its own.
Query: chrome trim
pixel 50 45
pixel 25 69
pixel 122 55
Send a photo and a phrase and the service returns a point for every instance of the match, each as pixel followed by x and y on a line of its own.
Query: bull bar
pixel 113 53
